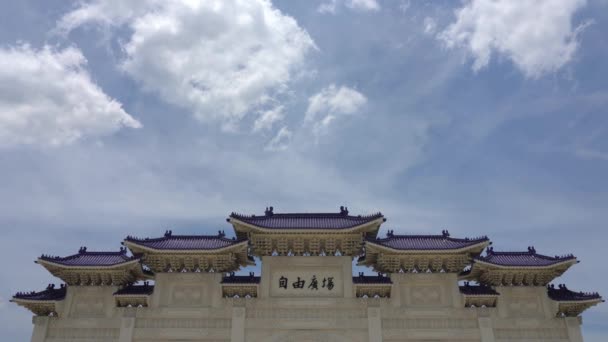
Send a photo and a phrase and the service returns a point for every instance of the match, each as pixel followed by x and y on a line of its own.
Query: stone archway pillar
pixel 41 326
pixel 573 324
pixel 485 329
pixel 127 326
pixel 374 324
pixel 237 330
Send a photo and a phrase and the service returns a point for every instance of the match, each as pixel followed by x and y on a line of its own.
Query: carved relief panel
pixel 187 289
pixel 426 295
pixel 521 301
pixel 87 306
pixel 90 301
pixel 187 295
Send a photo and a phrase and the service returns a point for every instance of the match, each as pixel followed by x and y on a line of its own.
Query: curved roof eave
pixel 44 262
pixel 481 244
pixel 567 262
pixel 130 244
pixel 378 221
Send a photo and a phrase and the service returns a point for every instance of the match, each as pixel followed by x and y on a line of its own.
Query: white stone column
pixel 573 324
pixel 374 324
pixel 127 325
pixel 41 326
pixel 237 331
pixel 485 329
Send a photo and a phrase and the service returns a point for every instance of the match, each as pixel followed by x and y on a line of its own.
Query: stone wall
pixel 189 307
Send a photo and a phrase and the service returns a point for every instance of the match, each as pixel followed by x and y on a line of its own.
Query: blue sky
pixel 132 117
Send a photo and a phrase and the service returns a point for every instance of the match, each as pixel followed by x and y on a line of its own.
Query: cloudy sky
pixel 131 117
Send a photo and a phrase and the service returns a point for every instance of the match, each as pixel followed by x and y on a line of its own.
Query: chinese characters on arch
pixel 302 283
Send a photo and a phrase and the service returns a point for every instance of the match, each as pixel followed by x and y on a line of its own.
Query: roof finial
pixel 390 233
pixel 531 250
pixel 343 210
pixel 221 233
pixel 445 233
pixel 490 251
pixel 168 233
pixel 82 250
pixel 123 250
pixel 269 211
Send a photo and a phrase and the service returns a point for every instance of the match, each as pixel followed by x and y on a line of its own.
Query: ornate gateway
pixel 429 287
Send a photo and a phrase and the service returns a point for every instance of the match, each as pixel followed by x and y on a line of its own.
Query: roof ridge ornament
pixel 168 233
pixel 269 211
pixel 343 210
pixel 531 250
pixel 445 233
pixel 489 251
pixel 82 250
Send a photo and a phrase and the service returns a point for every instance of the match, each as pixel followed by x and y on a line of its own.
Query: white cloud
pixel 537 36
pixel 220 59
pixel 331 6
pixel 47 98
pixel 429 25
pixel 106 13
pixel 281 141
pixel 587 153
pixel 328 7
pixel 331 102
pixel 404 6
pixel 363 5
pixel 267 118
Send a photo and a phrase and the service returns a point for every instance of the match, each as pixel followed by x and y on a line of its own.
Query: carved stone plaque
pixel 87 306
pixel 306 282
pixel 187 295
pixel 425 295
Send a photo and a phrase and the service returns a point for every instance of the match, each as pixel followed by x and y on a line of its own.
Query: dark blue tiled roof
pixel 426 242
pixel 186 242
pixel 241 279
pixel 144 289
pixel 562 293
pixel 51 293
pixel 479 290
pixel 375 279
pixel 525 259
pixel 86 258
pixel 271 220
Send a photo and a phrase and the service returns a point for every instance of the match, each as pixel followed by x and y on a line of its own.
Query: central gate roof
pixel 341 220
pixel 306 233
